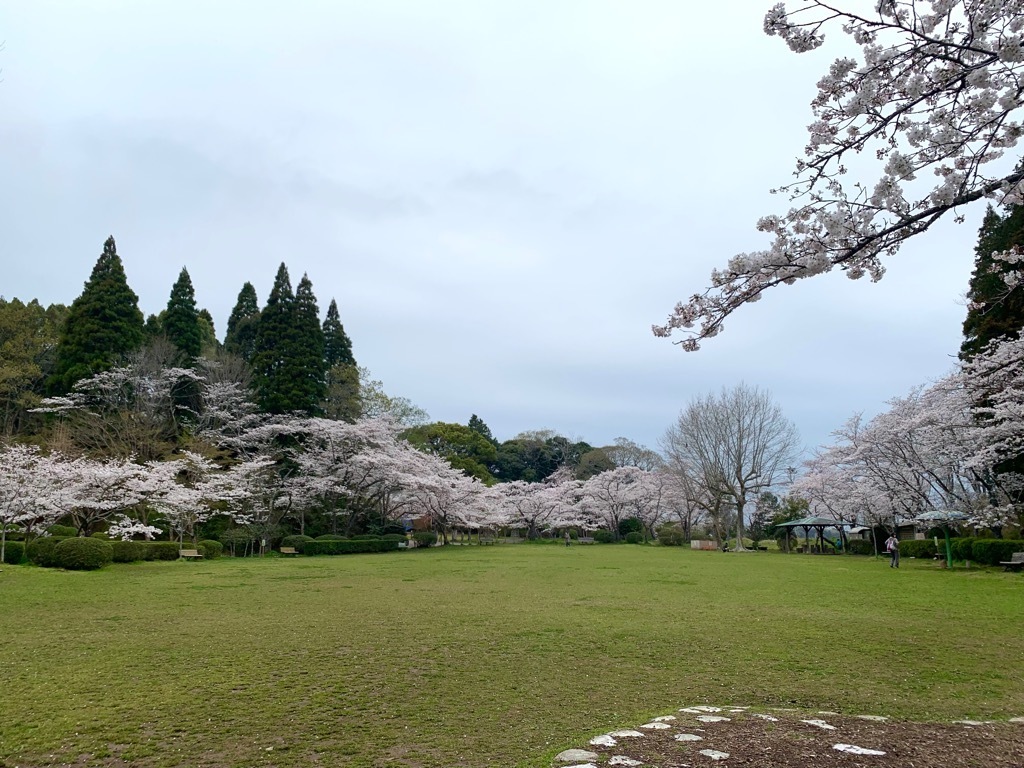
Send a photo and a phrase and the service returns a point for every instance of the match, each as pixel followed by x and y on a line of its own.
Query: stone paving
pixel 704 735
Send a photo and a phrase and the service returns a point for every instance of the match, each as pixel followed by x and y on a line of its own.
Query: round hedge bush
pixel 604 537
pixel 40 551
pixel 83 554
pixel 14 552
pixel 62 530
pixel 634 537
pixel 128 551
pixel 210 549
pixel 425 538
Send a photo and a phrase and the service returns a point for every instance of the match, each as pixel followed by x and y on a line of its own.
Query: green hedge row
pixel 14 552
pixel 860 547
pixel 348 547
pixel 994 551
pixel 920 548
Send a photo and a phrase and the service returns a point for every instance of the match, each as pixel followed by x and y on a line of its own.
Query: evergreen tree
pixel 208 334
pixel 243 324
pixel 104 323
pixel 181 321
pixel 477 425
pixel 337 345
pixel 289 373
pixel 308 354
pixel 995 310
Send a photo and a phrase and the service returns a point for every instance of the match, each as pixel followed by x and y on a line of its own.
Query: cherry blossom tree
pixel 539 506
pixel 91 493
pixel 25 480
pixel 611 496
pixel 935 91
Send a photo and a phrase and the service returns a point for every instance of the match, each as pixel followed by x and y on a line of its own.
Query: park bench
pixel 585 540
pixel 486 540
pixel 289 551
pixel 1015 563
pixel 189 554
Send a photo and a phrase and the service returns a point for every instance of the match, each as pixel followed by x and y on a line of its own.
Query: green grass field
pixel 477 656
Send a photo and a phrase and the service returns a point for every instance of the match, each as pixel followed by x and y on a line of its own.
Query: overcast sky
pixel 501 196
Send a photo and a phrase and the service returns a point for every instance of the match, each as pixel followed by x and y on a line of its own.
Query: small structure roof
pixel 814 522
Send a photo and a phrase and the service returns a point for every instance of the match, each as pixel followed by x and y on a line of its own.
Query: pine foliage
pixel 104 323
pixel 181 322
pixel 243 324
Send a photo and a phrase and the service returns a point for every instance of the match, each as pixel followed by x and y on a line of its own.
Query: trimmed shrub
pixel 297 540
pixel 995 551
pixel 210 549
pixel 14 552
pixel 64 531
pixel 331 537
pixel 603 537
pixel 393 537
pixel 920 548
pixel 366 537
pixel 962 548
pixel 83 554
pixel 160 550
pixel 425 538
pixel 101 535
pixel 128 551
pixel 40 551
pixel 670 536
pixel 348 547
pixel 630 525
pixel 860 547
pixel 634 537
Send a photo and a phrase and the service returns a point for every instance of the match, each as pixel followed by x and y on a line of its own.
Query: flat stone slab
pixel 1017 719
pixel 971 722
pixel 688 737
pixel 575 755
pixel 714 754
pixel 820 724
pixel 712 719
pixel 656 726
pixel 855 750
pixel 627 734
pixel 664 719
pixel 769 718
pixel 623 760
pixel 872 718
pixel 603 741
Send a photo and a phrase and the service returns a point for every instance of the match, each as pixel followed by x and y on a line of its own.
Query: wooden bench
pixel 289 551
pixel 486 540
pixel 1015 563
pixel 189 554
pixel 585 540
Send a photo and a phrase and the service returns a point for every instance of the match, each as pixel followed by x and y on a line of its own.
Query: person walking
pixel 567 538
pixel 892 546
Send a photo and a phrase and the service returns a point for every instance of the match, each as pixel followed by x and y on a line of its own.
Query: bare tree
pixel 735 443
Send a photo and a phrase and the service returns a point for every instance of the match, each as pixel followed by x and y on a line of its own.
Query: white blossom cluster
pixel 935 93
pixel 935 449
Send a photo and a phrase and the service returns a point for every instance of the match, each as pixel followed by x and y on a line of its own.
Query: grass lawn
pixel 477 656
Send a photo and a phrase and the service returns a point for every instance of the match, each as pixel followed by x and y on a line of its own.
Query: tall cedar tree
pixel 994 311
pixel 309 351
pixel 288 366
pixel 104 323
pixel 243 325
pixel 181 322
pixel 337 344
pixel 477 425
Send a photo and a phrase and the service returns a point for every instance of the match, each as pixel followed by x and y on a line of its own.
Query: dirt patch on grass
pixel 774 738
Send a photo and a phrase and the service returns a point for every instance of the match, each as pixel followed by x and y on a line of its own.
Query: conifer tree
pixel 104 323
pixel 995 309
pixel 181 321
pixel 308 351
pixel 243 324
pixel 337 344
pixel 289 373
pixel 480 427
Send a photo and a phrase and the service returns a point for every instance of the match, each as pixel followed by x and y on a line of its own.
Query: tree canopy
pixel 932 95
